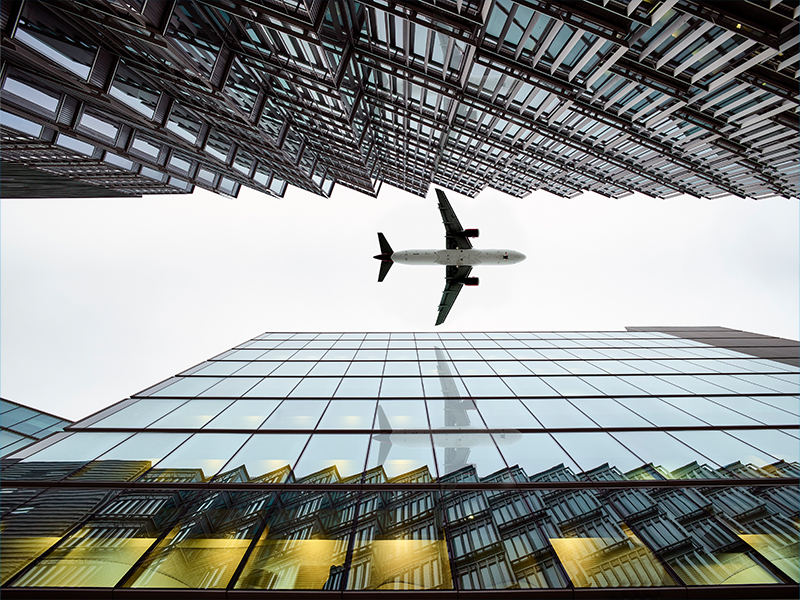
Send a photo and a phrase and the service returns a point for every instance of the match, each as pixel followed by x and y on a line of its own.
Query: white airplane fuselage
pixel 459 258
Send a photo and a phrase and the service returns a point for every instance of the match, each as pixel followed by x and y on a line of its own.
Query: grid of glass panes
pixel 22 425
pixel 402 411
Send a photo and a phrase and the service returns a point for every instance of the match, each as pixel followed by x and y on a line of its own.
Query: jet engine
pixel 470 280
pixel 468 233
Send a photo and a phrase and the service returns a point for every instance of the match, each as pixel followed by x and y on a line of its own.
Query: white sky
pixel 102 298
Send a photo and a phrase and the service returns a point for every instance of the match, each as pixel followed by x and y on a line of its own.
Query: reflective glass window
pixel 187 387
pixel 474 367
pixel 400 454
pixel 558 413
pixel 660 412
pixel 401 414
pixel 199 458
pixel 79 447
pixel 487 386
pixel 509 367
pixel 305 355
pixel 293 368
pixel 607 412
pixel 571 386
pixel 612 386
pixel 365 368
pixel 232 387
pixel 592 450
pixel 273 387
pixel 400 387
pixel 399 548
pixel 243 414
pixel 306 556
pixel 359 387
pixel 534 453
pixel 328 368
pixel 653 385
pixel 459 449
pixel 192 415
pixel 668 455
pixel 401 355
pixel 777 444
pixel 344 452
pixel 506 414
pixel 296 414
pixel 710 411
pixel 258 368
pixel 221 367
pixel 544 367
pixel 454 413
pixel 724 449
pixel 139 414
pixel 132 457
pixel 370 355
pixel 401 368
pixel 348 414
pixel 267 458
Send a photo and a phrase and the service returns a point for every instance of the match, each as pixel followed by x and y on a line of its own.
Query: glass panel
pixel 348 414
pixel 266 458
pixel 571 386
pixel 188 387
pixel 784 447
pixel 486 386
pixel 131 458
pixel 204 549
pixel 273 387
pixel 243 414
pixel 192 415
pixel 671 458
pixel 79 447
pixel 400 544
pixel 199 458
pixel 710 411
pixel 316 387
pixel 401 387
pixel 619 560
pixel 359 387
pixel 329 368
pixel 529 386
pixel 477 451
pixel 304 544
pixel 609 413
pixel 333 458
pixel 558 413
pixel 454 413
pixel 473 367
pixel 404 457
pixel 724 449
pixel 401 414
pixel 365 368
pixel 660 412
pixel 221 367
pixel 593 450
pixel 139 414
pixel 506 414
pixel 534 453
pixel 296 414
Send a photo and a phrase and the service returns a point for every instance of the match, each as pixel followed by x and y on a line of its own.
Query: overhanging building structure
pixel 619 96
pixel 647 463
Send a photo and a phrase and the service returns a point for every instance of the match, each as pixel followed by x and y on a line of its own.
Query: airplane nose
pixel 520 256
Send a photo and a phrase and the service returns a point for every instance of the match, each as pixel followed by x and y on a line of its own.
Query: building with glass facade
pixel 153 97
pixel 648 463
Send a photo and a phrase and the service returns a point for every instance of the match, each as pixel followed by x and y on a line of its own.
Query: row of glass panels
pixel 335 457
pixel 447 385
pixel 435 351
pixel 401 540
pixel 298 365
pixel 517 335
pixel 493 413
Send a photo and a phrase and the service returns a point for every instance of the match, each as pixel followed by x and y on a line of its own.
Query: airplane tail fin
pixel 385 257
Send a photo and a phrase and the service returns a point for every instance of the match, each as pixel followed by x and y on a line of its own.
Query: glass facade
pixel 148 97
pixel 607 461
pixel 21 425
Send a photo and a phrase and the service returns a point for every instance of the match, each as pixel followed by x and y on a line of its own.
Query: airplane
pixel 459 257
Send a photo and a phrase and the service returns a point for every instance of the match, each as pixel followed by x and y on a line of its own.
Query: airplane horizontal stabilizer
pixel 385 266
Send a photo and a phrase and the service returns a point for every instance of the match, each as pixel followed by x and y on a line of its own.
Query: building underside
pixel 615 97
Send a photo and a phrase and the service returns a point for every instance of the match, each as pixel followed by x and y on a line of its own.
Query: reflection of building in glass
pixel 20 425
pixel 657 459
pixel 146 97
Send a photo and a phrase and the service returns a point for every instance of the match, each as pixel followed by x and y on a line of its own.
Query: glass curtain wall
pixel 423 461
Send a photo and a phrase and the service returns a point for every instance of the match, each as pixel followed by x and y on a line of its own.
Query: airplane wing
pixel 452 287
pixel 452 227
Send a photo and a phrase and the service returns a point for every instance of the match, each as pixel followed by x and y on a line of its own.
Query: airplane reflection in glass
pixel 459 257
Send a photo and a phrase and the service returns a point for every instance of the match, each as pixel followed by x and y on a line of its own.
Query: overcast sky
pixel 102 298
